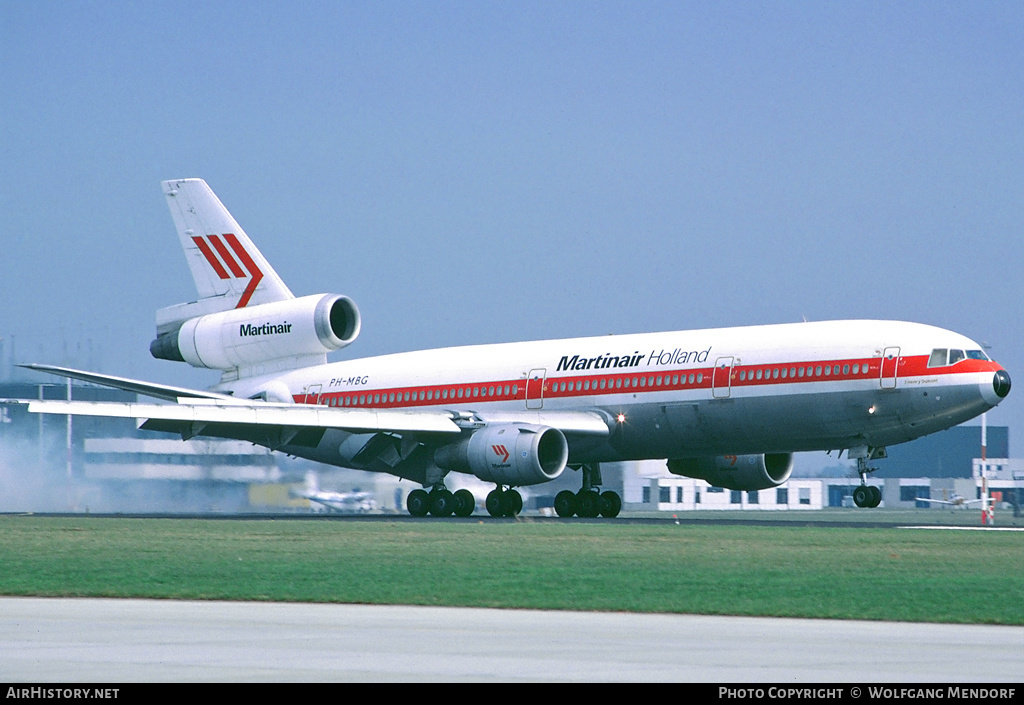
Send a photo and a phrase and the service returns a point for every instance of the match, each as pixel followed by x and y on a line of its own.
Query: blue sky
pixel 483 172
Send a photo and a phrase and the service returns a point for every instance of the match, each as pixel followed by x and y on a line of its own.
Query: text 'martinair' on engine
pixel 242 337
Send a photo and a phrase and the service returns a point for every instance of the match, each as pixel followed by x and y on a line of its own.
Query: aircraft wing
pixel 192 416
pixel 278 425
pixel 149 389
pixel 205 407
pixel 199 413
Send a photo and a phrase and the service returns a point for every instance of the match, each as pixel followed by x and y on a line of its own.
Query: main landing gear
pixel 866 495
pixel 589 502
pixel 504 503
pixel 440 502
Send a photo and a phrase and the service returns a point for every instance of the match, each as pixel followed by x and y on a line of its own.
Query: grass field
pixel 794 571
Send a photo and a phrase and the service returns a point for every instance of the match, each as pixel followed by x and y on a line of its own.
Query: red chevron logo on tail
pixel 227 266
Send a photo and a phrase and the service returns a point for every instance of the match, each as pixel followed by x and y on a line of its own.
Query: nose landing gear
pixel 865 495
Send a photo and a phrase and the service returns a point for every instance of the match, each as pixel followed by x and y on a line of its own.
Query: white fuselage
pixel 759 389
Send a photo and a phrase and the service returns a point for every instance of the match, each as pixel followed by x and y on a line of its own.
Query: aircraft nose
pixel 1001 383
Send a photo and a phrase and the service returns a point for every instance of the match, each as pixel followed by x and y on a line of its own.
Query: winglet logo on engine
pixel 501 451
pixel 226 266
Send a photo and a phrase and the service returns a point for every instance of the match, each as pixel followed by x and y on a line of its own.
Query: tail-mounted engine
pixel 243 337
pixel 508 454
pixel 737 472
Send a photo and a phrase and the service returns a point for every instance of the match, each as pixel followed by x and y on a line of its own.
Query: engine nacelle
pixel 508 454
pixel 737 472
pixel 241 337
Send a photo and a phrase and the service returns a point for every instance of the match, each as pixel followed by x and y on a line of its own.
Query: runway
pixel 124 641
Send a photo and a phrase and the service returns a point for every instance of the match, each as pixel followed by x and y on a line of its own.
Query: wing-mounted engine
pixel 508 454
pixel 737 472
pixel 302 330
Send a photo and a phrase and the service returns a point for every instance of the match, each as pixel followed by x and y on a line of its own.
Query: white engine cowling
pixel 737 472
pixel 310 325
pixel 508 454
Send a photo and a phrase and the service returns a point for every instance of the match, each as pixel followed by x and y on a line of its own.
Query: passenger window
pixel 955 356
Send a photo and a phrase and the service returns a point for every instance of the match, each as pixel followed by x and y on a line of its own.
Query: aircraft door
pixel 721 378
pixel 890 360
pixel 535 385
pixel 313 394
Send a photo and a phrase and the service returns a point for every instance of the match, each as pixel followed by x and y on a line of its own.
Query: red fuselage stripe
pixel 635 382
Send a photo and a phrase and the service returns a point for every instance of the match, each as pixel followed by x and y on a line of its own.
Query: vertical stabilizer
pixel 225 265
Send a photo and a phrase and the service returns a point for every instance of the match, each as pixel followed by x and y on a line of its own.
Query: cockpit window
pixel 941 357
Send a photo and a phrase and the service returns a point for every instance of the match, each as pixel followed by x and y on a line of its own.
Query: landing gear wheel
pixel 588 504
pixel 862 496
pixel 418 503
pixel 876 496
pixel 511 503
pixel 494 503
pixel 442 503
pixel 465 503
pixel 610 504
pixel 565 503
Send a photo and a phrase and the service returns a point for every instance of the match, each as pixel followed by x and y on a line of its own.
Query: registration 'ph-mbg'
pixel 728 405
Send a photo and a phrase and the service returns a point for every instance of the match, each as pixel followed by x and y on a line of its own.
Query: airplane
pixel 355 502
pixel 730 405
pixel 954 501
